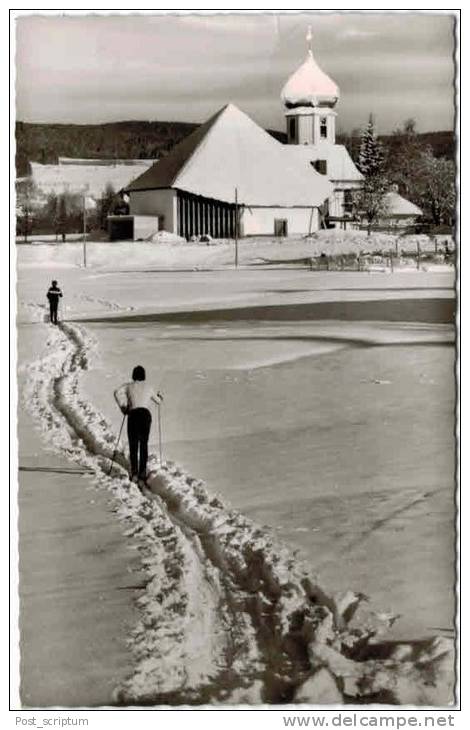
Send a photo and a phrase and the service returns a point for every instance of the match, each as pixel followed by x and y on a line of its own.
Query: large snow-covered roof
pixel 231 151
pixel 397 206
pixel 309 85
pixel 340 166
pixel 76 178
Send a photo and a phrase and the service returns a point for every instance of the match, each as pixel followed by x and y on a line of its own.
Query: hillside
pixel 45 143
pixel 136 140
pixel 146 140
pixel 441 143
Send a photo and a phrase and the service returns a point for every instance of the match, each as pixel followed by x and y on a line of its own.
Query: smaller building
pixel 400 212
pixel 120 227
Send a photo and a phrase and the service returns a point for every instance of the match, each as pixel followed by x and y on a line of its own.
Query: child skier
pixel 54 294
pixel 135 399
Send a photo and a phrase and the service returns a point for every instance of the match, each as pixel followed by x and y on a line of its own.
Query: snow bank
pixel 363 667
pixel 166 237
pixel 173 252
pixel 227 614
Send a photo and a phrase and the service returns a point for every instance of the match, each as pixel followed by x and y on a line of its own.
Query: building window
pixel 323 128
pixel 292 128
pixel 348 201
pixel 320 166
pixel 280 227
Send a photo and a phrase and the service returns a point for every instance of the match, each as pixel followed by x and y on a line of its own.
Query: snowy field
pixel 172 252
pixel 317 409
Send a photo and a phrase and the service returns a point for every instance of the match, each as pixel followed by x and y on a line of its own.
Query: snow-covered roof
pixel 339 167
pixel 76 178
pixel 231 151
pixel 397 206
pixel 309 86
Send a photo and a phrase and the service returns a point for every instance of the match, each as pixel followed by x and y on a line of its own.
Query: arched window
pixel 323 127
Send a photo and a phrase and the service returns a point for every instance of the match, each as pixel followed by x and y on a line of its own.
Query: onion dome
pixel 309 86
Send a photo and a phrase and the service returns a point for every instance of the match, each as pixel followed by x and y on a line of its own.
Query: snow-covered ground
pixel 318 410
pixel 252 252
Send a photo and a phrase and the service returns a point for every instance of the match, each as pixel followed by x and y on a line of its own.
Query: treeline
pixel 442 144
pixel 409 166
pixel 64 213
pixel 45 143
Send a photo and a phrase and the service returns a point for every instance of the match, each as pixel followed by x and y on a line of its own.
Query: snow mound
pixel 166 237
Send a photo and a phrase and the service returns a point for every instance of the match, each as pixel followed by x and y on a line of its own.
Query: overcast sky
pixel 89 69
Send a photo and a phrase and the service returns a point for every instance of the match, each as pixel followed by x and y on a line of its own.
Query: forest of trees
pixel 65 213
pixel 407 164
pixel 45 143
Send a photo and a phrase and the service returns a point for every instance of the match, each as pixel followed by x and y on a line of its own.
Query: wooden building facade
pixel 197 216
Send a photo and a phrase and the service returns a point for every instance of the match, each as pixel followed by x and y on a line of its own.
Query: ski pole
pixel 117 444
pixel 160 433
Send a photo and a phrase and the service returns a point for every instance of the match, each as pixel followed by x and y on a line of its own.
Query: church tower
pixel 309 98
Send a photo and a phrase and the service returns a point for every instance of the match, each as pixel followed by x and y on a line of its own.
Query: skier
pixel 53 294
pixel 134 399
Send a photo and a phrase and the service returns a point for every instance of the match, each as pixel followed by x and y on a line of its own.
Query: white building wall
pixel 316 129
pixel 145 226
pixel 305 129
pixel 332 128
pixel 155 203
pixel 260 221
pixel 336 203
pixel 308 125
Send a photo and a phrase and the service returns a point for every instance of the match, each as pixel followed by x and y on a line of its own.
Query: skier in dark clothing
pixel 135 399
pixel 54 294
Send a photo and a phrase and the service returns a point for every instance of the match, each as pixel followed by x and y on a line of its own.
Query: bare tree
pixel 51 212
pixel 25 199
pixel 436 187
pixel 106 205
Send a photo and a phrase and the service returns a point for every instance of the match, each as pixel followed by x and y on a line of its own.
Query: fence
pixel 380 260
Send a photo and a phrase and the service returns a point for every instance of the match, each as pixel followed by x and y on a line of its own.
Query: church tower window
pixel 293 128
pixel 323 128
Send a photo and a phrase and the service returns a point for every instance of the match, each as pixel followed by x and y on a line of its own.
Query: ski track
pixel 228 615
pixel 40 312
pixel 108 304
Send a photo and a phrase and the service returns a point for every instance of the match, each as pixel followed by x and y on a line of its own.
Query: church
pixel 232 177
pixel 231 169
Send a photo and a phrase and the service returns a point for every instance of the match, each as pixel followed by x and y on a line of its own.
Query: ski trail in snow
pixel 185 633
pixel 112 305
pixel 228 615
pixel 37 311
